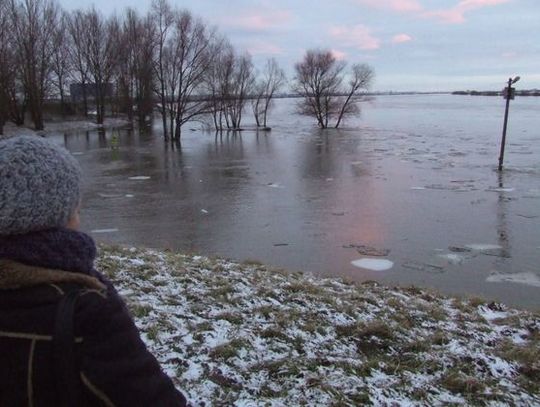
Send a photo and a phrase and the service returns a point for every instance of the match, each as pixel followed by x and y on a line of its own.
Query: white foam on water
pixel 373 264
pixel 112 230
pixel 139 177
pixel 482 246
pixel 527 278
pixel 77 153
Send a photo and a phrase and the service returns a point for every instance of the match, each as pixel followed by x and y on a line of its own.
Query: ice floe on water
pixel 500 189
pixel 527 278
pixel 274 185
pixel 111 230
pixel 139 177
pixel 452 258
pixel 483 246
pixel 373 264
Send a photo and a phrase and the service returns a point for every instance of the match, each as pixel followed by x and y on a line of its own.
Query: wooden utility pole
pixel 508 93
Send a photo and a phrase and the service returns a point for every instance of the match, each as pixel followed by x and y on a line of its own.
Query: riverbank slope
pixel 243 334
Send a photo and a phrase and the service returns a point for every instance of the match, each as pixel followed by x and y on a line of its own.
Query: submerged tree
pixel 61 62
pixel 238 89
pixel 99 48
pixel 134 73
pixel 34 23
pixel 6 63
pixel 183 56
pixel 78 61
pixel 320 81
pixel 272 80
pixel 162 15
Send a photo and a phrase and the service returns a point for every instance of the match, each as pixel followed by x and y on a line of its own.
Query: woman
pixel 66 337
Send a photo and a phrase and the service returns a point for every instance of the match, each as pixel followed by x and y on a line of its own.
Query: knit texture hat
pixel 39 185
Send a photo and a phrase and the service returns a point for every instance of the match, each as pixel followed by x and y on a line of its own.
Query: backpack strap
pixel 65 367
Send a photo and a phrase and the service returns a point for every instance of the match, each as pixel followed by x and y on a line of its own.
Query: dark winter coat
pixel 115 368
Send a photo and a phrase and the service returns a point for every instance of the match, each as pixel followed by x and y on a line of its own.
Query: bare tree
pixel 239 87
pixel 61 62
pixel 100 52
pixel 185 58
pixel 13 99
pixel 319 80
pixel 6 62
pixel 162 15
pixel 217 80
pixel 135 65
pixel 144 69
pixel 34 23
pixel 273 79
pixel 362 76
pixel 77 55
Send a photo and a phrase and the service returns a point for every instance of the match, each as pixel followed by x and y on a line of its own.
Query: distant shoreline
pixel 531 92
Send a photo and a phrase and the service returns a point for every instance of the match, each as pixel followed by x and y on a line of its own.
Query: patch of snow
pixel 373 264
pixel 488 314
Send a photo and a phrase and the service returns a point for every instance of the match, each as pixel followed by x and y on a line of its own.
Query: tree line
pixel 166 60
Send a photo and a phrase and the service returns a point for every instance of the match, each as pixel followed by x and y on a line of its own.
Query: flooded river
pixel 412 181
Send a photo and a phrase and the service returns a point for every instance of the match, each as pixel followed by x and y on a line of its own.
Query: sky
pixel 412 45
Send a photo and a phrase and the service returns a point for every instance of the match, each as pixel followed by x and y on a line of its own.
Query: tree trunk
pixel 342 111
pixel 178 131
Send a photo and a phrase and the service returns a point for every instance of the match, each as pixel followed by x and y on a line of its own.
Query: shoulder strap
pixel 65 366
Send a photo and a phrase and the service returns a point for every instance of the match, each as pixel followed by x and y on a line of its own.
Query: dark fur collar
pixel 15 275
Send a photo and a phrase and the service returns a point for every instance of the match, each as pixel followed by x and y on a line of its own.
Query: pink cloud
pixel 339 55
pixel 259 21
pixel 456 14
pixel 395 5
pixel 358 36
pixel 452 15
pixel 401 38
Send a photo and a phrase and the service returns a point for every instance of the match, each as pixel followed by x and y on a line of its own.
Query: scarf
pixel 57 248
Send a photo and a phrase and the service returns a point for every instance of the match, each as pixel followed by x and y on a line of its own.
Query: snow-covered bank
pixel 241 334
pixel 64 126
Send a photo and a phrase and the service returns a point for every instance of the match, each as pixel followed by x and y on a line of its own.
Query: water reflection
pixel 502 221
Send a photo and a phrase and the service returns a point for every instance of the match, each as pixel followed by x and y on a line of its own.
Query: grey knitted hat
pixel 39 185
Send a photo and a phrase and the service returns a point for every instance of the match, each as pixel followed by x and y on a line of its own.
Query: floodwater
pixel 412 182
